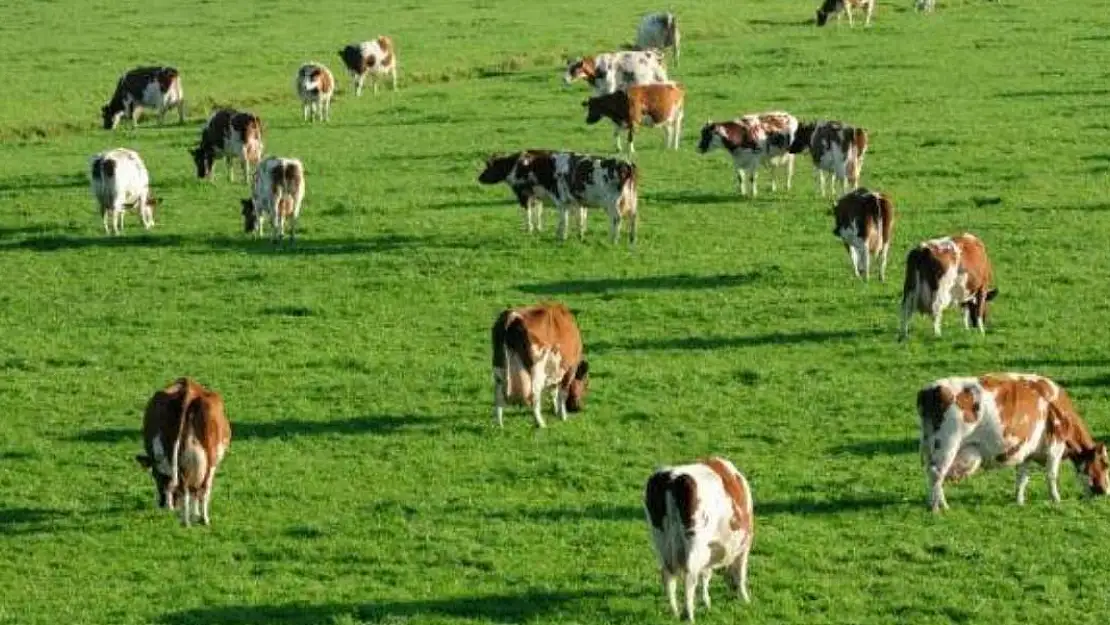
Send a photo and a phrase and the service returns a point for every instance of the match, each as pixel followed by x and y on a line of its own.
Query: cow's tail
pixel 629 176
pixel 669 501
pixel 914 260
pixel 859 143
pixel 187 397
pixel 510 338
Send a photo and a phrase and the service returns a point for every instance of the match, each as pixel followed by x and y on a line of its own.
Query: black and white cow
pixel 502 168
pixel 156 88
pixel 753 140
pixel 659 31
pixel 837 149
pixel 376 58
pixel 119 181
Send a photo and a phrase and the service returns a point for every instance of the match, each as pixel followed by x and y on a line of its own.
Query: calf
pixel 530 196
pixel 277 193
pixel 649 105
pixel 659 31
pixel 315 86
pixel 701 519
pixel 574 181
pixel 752 140
pixel 612 71
pixel 836 148
pixel 864 222
pixel 374 58
pixel 145 87
pixel 534 349
pixel 233 135
pixel 948 272
pixel 186 434
pixel 119 181
pixel 1005 420
pixel 836 7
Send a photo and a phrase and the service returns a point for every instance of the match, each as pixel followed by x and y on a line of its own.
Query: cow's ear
pixel 144 461
pixel 991 294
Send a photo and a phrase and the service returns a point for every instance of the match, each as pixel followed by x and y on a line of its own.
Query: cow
pixel 701 518
pixel 374 58
pixel 1005 420
pixel 233 135
pixel 315 86
pixel 649 105
pixel 864 222
pixel 612 71
pixel 752 140
pixel 119 181
pixel 534 349
pixel 927 6
pixel 530 196
pixel 185 435
pixel 145 87
pixel 948 272
pixel 836 148
pixel 276 193
pixel 659 31
pixel 574 181
pixel 836 7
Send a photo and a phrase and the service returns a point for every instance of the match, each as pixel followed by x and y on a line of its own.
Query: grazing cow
pixel 186 434
pixel 948 272
pixel 573 181
pixel 701 518
pixel 145 87
pixel 612 71
pixel 925 5
pixel 836 148
pixel 315 86
pixel 374 58
pixel 119 180
pixel 277 192
pixel 864 221
pixel 537 348
pixel 530 196
pixel 659 31
pixel 649 105
pixel 836 7
pixel 752 140
pixel 1005 420
pixel 233 135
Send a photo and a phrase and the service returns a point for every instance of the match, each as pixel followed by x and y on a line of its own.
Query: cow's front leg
pixel 498 399
pixel 865 260
pixel 938 467
pixel 564 216
pixel 670 588
pixel 1022 482
pixel 820 181
pixel 186 506
pixel 706 575
pixel 882 261
pixel 614 227
pixel 1052 475
pixel 559 401
pixel 938 314
pixel 854 257
pixel 538 383
pixel 740 180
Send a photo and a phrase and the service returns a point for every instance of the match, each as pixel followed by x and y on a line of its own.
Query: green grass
pixel 365 483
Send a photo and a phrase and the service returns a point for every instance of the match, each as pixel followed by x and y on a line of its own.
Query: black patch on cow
pixel 498 168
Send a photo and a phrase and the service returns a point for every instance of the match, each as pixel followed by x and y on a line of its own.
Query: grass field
pixel 365 482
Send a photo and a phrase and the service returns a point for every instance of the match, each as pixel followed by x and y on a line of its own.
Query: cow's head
pixel 583 67
pixel 828 7
pixel 1093 466
pixel 203 158
pixel 822 17
pixel 579 387
pixel 711 135
pixel 250 217
pixel 977 306
pixel 111 116
pixel 161 480
pixel 498 168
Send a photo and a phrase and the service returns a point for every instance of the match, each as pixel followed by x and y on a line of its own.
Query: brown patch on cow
pixel 969 408
pixel 974 260
pixel 774 123
pixel 859 141
pixel 1020 408
pixel 525 331
pixel 741 520
pixel 584 67
pixel 628 109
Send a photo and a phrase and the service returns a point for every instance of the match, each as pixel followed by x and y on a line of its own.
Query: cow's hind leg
pixel 738 572
pixel 670 588
pixel 538 381
pixel 706 575
pixel 186 506
pixel 940 462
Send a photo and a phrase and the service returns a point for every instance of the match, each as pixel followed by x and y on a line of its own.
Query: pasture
pixel 365 482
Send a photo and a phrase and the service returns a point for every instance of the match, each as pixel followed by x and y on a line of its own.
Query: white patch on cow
pixel 128 188
pixel 616 71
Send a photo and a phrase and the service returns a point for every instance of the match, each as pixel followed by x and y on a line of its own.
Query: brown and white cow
pixel 276 193
pixel 864 222
pixel 156 88
pixel 615 71
pixel 948 272
pixel 119 181
pixel 753 140
pixel 370 58
pixel 534 349
pixel 315 86
pixel 573 182
pixel 185 434
pixel 837 7
pixel 659 31
pixel 530 195
pixel 1005 420
pixel 659 104
pixel 701 517
pixel 836 148
pixel 233 135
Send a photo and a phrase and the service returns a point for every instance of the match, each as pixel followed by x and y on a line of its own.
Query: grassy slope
pixel 364 483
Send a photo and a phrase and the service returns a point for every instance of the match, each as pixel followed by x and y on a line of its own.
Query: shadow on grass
pixel 802 507
pixel 505 608
pixel 878 448
pixel 694 198
pixel 506 201
pixel 1091 207
pixel 676 282
pixel 596 512
pixel 15 520
pixel 1097 380
pixel 371 424
pixel 56 243
pixel 8 233
pixel 725 342
pixel 308 246
pixel 810 22
pixel 26 182
pixel 1033 363
pixel 1051 93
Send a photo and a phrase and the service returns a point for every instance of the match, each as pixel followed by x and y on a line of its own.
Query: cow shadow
pixel 1050 93
pixel 1092 207
pixel 878 448
pixel 675 282
pixel 801 507
pixel 596 512
pixel 504 608
pixel 27 182
pixel 62 243
pixel 1092 381
pixel 1032 363
pixel 698 198
pixel 728 342
pixel 379 425
pixel 309 246
pixel 810 22
pixel 505 201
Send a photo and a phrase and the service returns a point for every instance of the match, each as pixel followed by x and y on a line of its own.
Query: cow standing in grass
pixel 648 105
pixel 276 194
pixel 948 272
pixel 838 7
pixel 837 149
pixel 157 88
pixel 529 194
pixel 865 223
pixel 375 58
pixel 315 87
pixel 753 140
pixel 119 181
pixel 235 135
pixel 613 71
